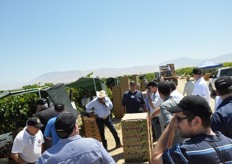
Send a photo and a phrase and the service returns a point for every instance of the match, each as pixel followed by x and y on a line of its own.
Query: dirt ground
pixel 117 154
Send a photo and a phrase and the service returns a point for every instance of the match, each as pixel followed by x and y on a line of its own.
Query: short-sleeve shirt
pixel 50 131
pixel 29 147
pixel 133 101
pixel 197 150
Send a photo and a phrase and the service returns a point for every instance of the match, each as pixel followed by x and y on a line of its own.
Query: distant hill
pixel 70 76
pixel 188 62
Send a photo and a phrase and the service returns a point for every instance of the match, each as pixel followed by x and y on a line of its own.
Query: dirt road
pixel 117 154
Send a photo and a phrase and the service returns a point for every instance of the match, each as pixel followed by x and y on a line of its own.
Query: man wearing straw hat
pixel 101 106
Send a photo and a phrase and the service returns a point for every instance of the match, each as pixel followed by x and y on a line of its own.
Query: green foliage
pixel 36 86
pixel 184 71
pixel 15 110
pixel 76 96
pixel 227 64
pixel 149 76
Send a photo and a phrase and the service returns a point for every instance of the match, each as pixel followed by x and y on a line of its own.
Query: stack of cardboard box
pixel 117 101
pixel 137 139
pixel 91 128
pixel 124 84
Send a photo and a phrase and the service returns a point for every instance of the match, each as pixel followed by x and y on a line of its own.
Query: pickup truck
pixel 225 71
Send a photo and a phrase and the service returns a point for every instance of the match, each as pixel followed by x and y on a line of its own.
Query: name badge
pixel 132 96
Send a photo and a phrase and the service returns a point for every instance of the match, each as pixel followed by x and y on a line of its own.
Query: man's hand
pixel 173 125
pixel 102 101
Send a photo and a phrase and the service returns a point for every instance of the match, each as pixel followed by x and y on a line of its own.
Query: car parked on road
pixel 225 71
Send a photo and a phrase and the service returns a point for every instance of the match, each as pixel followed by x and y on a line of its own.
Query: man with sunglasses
pixel 192 118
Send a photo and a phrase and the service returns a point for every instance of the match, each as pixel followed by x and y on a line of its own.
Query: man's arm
pixel 164 142
pixel 89 107
pixel 48 129
pixel 144 108
pixel 18 158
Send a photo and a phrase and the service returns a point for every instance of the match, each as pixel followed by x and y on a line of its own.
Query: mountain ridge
pixel 70 76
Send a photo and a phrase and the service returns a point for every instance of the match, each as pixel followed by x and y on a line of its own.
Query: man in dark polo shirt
pixel 133 100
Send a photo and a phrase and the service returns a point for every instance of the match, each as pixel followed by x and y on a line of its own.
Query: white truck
pixel 225 71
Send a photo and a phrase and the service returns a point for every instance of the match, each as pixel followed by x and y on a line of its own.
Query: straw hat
pixel 101 94
pixel 188 77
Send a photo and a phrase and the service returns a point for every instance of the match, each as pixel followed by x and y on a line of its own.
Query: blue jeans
pixel 101 126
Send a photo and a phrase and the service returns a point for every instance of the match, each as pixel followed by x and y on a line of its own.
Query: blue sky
pixel 38 37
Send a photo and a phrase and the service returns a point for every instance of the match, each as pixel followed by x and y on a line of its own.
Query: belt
pixel 103 117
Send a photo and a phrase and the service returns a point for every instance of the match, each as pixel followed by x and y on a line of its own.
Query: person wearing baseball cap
pixel 200 87
pixel 28 144
pixel 133 100
pixel 192 117
pixel 72 148
pixel 50 132
pixel 44 112
pixel 222 117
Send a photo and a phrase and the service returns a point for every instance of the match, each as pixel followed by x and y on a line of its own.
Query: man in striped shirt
pixel 192 118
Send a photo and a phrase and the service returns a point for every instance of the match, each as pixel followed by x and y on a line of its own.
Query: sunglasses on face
pixel 180 119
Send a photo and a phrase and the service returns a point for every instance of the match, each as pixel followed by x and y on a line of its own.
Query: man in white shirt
pixel 175 93
pixel 154 101
pixel 101 106
pixel 27 146
pixel 200 88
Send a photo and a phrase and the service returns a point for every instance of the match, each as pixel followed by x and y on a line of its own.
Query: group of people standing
pixel 52 136
pixel 184 127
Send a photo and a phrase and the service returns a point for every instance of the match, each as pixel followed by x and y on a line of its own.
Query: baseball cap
pixel 223 83
pixel 196 71
pixel 34 121
pixel 59 107
pixel 64 124
pixel 132 82
pixel 41 101
pixel 194 104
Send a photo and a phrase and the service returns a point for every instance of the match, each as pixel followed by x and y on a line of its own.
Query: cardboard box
pixel 91 128
pixel 137 137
